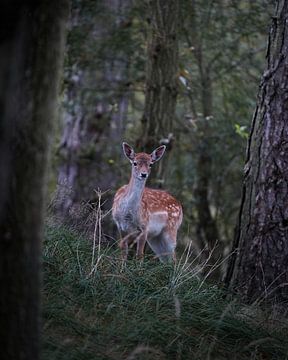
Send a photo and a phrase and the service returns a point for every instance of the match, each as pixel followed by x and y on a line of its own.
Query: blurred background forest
pixel 187 74
pixel 219 55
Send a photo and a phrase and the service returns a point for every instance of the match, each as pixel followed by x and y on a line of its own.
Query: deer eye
pixel 135 163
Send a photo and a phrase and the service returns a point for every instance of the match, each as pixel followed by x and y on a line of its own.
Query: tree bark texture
pixel 97 97
pixel 31 53
pixel 161 76
pixel 258 266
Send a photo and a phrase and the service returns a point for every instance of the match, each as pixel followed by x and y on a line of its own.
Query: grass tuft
pixel 142 310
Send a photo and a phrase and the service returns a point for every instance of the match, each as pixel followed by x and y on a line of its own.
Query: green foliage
pixel 222 57
pixel 104 310
pixel 241 131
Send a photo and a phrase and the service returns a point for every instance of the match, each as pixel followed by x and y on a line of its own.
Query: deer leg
pixel 163 246
pixel 124 244
pixel 141 241
pixel 124 248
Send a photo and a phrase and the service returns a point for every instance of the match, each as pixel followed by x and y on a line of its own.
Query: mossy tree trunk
pixel 161 77
pixel 31 53
pixel 258 267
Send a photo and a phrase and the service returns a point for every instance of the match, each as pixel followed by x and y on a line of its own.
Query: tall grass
pixel 142 310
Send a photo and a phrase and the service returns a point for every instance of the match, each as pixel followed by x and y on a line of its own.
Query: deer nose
pixel 144 175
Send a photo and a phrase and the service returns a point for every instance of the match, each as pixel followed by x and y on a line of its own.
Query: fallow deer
pixel 143 214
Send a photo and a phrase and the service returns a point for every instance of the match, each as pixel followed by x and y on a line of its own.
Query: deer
pixel 144 215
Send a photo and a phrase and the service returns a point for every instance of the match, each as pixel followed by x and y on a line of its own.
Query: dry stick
pixel 78 260
pixel 99 213
pixel 97 229
pixel 94 243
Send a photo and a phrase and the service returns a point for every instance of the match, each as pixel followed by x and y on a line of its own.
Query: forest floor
pixel 96 308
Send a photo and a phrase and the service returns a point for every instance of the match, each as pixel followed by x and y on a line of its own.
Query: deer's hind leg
pixel 141 241
pixel 163 245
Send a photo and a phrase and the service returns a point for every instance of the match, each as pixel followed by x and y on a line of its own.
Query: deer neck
pixel 134 193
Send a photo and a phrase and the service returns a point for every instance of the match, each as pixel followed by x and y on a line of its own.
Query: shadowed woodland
pixel 209 80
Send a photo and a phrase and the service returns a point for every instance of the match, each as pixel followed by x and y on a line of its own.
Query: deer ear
pixel 158 153
pixel 128 151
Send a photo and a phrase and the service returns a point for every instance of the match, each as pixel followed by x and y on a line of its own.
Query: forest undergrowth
pixel 94 307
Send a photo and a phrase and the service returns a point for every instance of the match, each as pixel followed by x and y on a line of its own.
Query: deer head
pixel 142 162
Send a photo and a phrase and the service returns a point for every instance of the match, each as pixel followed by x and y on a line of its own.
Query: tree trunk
pixel 161 77
pixel 207 230
pixel 258 267
pixel 31 53
pixel 94 124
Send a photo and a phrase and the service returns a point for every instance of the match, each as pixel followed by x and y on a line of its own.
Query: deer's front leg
pixel 124 244
pixel 141 241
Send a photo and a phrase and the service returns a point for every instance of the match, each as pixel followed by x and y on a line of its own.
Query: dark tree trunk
pixel 258 267
pixel 161 77
pixel 206 221
pixel 31 49
pixel 207 230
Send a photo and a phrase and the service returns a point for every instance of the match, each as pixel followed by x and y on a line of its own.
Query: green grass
pixel 143 310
